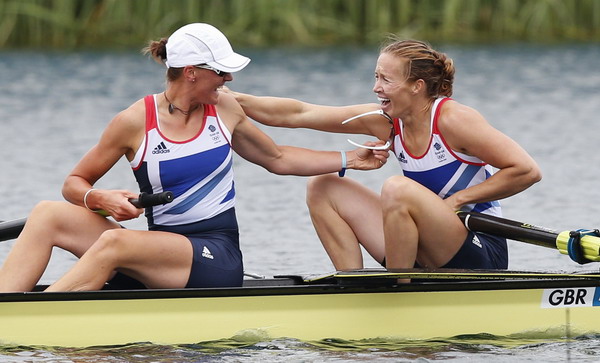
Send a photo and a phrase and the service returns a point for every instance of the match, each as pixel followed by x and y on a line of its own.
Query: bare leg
pixel 346 214
pixel 418 226
pixel 157 259
pixel 50 224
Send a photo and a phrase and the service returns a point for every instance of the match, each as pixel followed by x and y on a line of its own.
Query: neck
pixel 419 114
pixel 172 107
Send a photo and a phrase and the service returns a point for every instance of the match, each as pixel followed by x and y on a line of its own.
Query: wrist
pixel 85 198
pixel 342 171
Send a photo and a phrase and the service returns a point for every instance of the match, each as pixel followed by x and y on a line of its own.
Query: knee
pixel 110 244
pixel 396 191
pixel 317 188
pixel 49 212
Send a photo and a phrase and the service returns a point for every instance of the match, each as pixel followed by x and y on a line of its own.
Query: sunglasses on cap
pixel 206 66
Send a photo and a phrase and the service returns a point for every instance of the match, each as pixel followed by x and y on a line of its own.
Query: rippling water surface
pixel 55 105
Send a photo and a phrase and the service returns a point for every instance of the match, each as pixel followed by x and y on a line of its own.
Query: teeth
pixel 383 99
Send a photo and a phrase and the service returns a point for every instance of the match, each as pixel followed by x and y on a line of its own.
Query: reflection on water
pixel 247 348
pixel 55 105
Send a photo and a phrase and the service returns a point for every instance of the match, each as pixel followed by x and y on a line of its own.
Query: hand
pixel 452 202
pixel 116 204
pixel 368 159
pixel 226 89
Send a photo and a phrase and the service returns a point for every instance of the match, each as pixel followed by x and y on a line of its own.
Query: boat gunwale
pixel 279 286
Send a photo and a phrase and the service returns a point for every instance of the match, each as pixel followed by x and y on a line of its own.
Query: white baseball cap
pixel 200 43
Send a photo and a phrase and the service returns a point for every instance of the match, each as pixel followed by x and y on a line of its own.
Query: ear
pixel 417 86
pixel 189 73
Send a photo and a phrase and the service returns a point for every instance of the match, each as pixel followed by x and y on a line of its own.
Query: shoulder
pixel 459 124
pixel 131 118
pixel 127 128
pixel 229 110
pixel 455 115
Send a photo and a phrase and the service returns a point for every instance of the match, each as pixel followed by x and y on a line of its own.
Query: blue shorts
pixel 217 260
pixel 484 252
pixel 481 251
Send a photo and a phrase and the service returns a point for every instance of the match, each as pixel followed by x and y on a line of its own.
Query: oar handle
pixel 11 229
pixel 145 200
pixel 149 200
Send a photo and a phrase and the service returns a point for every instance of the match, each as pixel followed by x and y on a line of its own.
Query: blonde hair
pixel 433 67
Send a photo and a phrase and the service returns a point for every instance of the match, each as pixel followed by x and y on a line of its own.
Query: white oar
pixel 375 112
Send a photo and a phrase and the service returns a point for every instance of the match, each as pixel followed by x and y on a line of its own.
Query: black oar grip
pixel 148 200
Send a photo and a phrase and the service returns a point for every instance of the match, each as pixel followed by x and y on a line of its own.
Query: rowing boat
pixel 350 305
pixel 358 305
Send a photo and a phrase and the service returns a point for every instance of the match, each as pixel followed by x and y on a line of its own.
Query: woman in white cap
pixel 451 159
pixel 180 140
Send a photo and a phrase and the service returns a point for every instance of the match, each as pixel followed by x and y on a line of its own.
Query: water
pixel 55 105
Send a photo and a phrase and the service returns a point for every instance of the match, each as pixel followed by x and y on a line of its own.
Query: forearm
pixel 503 184
pixel 291 113
pixel 307 162
pixel 75 188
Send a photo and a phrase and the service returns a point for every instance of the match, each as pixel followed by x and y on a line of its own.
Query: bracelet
pixel 85 198
pixel 343 171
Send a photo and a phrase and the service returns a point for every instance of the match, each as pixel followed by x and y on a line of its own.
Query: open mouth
pixel 383 101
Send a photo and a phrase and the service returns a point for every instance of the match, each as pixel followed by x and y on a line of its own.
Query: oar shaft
pixel 11 229
pixel 510 229
pixel 518 231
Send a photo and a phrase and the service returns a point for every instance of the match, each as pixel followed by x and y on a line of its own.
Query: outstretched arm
pixel 291 113
pixel 255 146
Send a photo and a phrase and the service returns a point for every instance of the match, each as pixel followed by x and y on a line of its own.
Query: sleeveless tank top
pixel 442 170
pixel 198 171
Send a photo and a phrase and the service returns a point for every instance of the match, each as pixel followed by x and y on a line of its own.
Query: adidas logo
pixel 206 253
pixel 475 241
pixel 160 149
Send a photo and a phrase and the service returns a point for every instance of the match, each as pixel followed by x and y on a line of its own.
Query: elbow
pixel 276 169
pixel 533 175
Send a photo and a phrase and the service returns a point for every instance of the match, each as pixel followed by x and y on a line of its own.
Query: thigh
pixel 67 226
pixel 360 207
pixel 440 231
pixel 157 259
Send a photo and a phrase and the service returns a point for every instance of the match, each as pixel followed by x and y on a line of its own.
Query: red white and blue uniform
pixel 445 171
pixel 199 173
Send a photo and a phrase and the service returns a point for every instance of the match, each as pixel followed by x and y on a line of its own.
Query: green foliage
pixel 131 23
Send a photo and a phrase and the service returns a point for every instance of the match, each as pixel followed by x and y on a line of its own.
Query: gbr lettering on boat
pixel 571 297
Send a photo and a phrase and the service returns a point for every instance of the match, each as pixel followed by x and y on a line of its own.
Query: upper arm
pixel 121 137
pixel 467 131
pixel 248 141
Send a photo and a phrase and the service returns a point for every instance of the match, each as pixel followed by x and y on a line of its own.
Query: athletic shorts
pixel 217 259
pixel 481 251
pixel 478 251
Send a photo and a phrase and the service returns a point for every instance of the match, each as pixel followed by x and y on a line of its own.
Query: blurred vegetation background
pixel 72 24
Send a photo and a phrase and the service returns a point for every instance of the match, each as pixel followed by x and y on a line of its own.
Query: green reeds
pixel 131 23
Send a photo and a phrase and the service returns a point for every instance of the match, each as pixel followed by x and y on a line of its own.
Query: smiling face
pixel 394 90
pixel 209 83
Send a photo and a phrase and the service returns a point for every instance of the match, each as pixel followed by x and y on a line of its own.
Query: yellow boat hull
pixel 305 313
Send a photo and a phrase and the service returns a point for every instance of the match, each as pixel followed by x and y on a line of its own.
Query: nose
pixel 376 86
pixel 228 77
